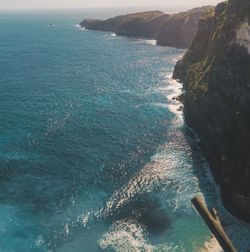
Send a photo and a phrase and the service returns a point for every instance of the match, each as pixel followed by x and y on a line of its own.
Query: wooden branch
pixel 213 222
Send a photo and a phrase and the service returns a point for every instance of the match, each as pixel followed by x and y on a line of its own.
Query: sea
pixel 94 151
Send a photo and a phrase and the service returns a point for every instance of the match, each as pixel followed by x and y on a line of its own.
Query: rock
pixel 180 108
pixel 216 79
pixel 180 97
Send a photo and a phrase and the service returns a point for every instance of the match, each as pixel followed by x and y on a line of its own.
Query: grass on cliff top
pixel 188 13
pixel 209 13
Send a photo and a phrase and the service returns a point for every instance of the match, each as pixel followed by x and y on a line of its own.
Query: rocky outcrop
pixel 216 77
pixel 175 30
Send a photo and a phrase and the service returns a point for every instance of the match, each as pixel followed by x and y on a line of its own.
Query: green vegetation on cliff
pixel 216 77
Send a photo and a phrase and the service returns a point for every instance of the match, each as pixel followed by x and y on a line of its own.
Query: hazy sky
pixel 37 4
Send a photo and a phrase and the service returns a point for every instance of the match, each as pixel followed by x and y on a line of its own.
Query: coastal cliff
pixel 216 80
pixel 175 30
pixel 143 24
pixel 179 30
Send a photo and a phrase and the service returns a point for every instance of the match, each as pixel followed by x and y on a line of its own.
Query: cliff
pixel 216 78
pixel 143 24
pixel 175 30
pixel 180 29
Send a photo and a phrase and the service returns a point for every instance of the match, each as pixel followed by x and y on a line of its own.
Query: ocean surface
pixel 94 152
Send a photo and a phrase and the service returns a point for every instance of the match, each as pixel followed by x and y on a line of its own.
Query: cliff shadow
pixel 202 170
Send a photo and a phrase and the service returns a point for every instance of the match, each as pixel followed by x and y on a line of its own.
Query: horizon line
pixel 153 7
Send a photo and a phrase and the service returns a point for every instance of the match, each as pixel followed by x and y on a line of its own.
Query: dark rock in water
pixel 169 30
pixel 216 77
pixel 180 108
pixel 180 97
pixel 152 215
pixel 147 210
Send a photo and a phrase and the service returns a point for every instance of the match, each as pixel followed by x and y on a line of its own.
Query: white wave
pixel 170 90
pixel 151 41
pixel 161 105
pixel 80 27
pixel 144 41
pixel 211 246
pixel 40 241
pixel 113 35
pixel 125 235
pixel 169 75
pixel 84 218
pixel 178 57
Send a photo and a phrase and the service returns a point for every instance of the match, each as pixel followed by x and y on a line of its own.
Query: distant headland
pixel 174 30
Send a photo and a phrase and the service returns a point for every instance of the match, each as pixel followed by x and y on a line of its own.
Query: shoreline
pixel 211 245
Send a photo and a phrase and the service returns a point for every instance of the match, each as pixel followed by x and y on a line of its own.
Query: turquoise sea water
pixel 94 154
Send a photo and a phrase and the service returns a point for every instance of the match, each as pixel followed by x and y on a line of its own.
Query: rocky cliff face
pixel 143 28
pixel 181 28
pixel 216 76
pixel 169 30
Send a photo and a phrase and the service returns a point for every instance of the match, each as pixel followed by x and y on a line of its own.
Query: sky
pixel 54 4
